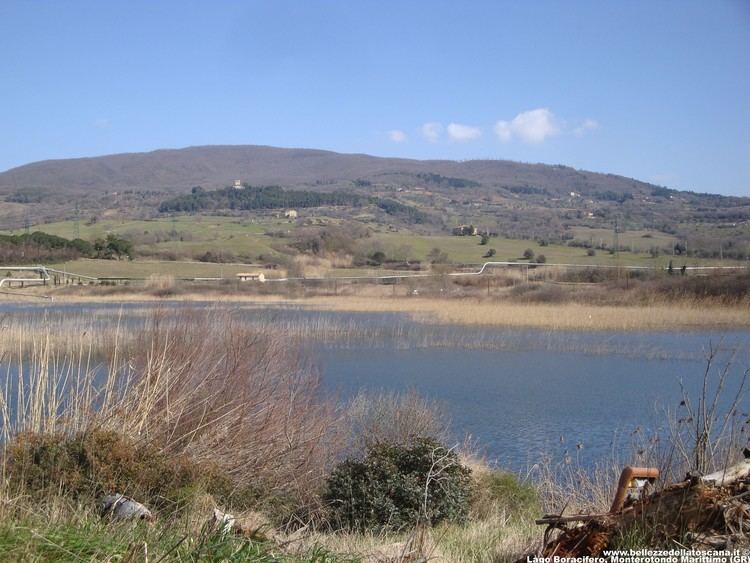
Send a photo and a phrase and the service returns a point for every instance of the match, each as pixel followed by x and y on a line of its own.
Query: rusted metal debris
pixel 709 512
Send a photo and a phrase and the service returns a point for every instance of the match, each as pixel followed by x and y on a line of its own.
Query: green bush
pixel 104 462
pixel 497 491
pixel 395 487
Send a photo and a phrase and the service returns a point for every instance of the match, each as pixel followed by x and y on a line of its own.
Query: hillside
pixel 515 200
pixel 218 166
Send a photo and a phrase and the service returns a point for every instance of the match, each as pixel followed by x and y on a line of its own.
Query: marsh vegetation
pixel 188 408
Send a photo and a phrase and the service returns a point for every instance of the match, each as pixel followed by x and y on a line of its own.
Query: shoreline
pixel 467 311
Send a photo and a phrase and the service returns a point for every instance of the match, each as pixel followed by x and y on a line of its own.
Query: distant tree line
pixel 250 198
pixel 448 181
pixel 528 190
pixel 407 212
pixel 36 247
pixel 613 196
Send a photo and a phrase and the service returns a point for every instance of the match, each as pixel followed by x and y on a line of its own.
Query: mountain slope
pixel 216 166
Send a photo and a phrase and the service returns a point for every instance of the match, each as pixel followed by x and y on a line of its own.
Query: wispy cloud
pixel 533 126
pixel 397 136
pixel 432 131
pixel 463 133
pixel 101 123
pixel 586 126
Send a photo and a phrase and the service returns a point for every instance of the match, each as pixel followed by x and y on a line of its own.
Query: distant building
pixel 290 214
pixel 465 231
pixel 237 185
pixel 251 276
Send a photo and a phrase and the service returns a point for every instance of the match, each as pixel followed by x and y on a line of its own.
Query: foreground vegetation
pixel 197 411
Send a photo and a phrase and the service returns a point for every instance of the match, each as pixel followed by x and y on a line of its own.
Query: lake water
pixel 520 394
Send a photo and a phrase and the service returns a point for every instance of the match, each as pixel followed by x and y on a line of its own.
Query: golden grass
pixel 488 540
pixel 471 311
pixel 562 316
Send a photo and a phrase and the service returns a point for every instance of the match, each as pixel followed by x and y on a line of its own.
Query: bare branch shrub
pixel 707 433
pixel 393 418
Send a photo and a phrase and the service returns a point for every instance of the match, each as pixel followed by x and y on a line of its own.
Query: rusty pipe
pixel 626 478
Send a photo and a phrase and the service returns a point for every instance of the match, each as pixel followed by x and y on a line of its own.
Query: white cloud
pixel 585 127
pixel 397 136
pixel 533 126
pixel 503 131
pixel 463 133
pixel 432 131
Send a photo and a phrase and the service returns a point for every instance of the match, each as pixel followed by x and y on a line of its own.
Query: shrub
pixel 377 258
pixel 528 254
pixel 541 259
pixel 99 462
pixel 500 492
pixel 395 487
pixel 393 418
pixel 591 252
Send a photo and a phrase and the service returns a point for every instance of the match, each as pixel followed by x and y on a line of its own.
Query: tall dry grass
pixel 191 383
pixel 557 316
pixel 393 418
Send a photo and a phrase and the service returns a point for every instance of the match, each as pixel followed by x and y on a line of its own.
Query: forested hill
pixel 218 166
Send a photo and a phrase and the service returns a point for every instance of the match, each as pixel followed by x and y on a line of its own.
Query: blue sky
pixel 658 90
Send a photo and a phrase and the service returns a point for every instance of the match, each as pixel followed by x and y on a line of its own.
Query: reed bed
pixel 97 330
pixel 563 316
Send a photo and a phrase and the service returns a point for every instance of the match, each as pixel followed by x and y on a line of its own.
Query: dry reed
pixel 192 383
pixel 563 316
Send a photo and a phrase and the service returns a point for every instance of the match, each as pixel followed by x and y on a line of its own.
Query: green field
pixel 190 236
pixel 146 268
pixel 638 240
pixel 467 250
pixel 187 269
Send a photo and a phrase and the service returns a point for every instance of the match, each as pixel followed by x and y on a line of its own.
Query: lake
pixel 520 394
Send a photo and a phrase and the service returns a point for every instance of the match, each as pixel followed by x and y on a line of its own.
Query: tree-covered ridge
pixel 249 198
pixel 448 181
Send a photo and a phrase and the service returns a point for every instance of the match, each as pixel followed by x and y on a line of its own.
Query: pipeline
pixel 41 269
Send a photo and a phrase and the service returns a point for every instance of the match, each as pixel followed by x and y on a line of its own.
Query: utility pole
pixel 616 244
pixel 616 240
pixel 77 222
